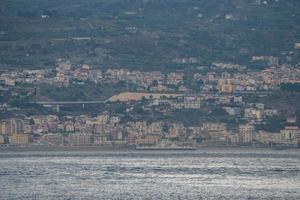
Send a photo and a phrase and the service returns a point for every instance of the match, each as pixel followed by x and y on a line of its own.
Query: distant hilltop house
pixel 297 45
pixel 270 59
pixel 45 16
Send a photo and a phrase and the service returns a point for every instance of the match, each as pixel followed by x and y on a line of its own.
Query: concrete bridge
pixel 118 97
pixel 59 103
pixel 67 102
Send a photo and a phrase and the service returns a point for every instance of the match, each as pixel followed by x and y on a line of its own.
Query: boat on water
pixel 163 146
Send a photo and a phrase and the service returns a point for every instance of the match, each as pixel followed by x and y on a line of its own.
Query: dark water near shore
pixel 203 174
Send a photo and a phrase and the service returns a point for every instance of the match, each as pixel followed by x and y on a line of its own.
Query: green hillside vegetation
pixel 147 35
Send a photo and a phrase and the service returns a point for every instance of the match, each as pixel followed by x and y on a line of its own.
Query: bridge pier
pixel 57 108
pixel 83 106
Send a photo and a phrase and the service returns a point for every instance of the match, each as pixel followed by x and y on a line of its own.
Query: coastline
pixel 123 148
pixel 65 148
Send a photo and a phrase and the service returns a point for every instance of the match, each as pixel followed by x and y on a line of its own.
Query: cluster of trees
pixel 290 87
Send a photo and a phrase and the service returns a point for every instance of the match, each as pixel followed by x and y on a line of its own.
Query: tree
pixel 31 122
pixel 165 128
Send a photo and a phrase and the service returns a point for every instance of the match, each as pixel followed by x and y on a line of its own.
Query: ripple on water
pixel 152 175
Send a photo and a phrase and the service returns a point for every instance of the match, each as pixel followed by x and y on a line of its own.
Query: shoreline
pixel 64 148
pixel 123 148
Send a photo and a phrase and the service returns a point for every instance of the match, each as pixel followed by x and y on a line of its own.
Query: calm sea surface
pixel 204 174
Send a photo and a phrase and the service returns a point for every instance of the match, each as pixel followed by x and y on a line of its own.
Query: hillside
pixel 147 34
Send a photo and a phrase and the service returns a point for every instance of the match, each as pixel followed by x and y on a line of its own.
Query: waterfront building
pixel 150 139
pixel 52 139
pixel 11 126
pixel 290 133
pixel 246 133
pixel 18 139
pixel 2 139
pixel 80 139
